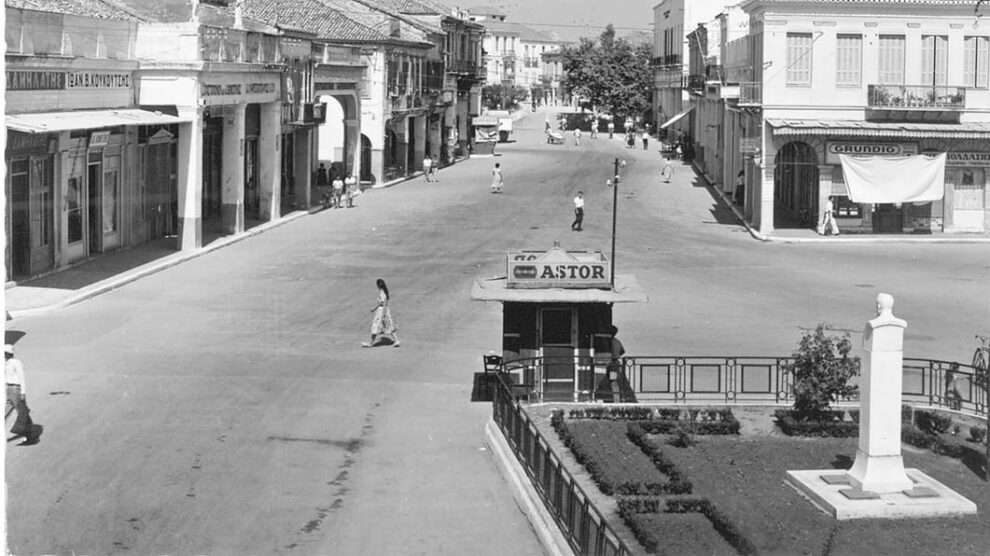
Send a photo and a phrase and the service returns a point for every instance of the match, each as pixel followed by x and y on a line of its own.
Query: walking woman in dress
pixel 382 324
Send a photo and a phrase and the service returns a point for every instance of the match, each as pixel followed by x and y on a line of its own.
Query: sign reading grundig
pixel 557 268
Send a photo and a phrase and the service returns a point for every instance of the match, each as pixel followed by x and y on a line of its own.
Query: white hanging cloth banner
pixel 894 179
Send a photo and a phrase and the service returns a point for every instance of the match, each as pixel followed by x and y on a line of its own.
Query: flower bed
pixel 667 420
pixel 633 511
pixel 616 465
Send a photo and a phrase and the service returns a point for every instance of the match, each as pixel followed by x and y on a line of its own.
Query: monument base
pixel 831 490
pixel 879 474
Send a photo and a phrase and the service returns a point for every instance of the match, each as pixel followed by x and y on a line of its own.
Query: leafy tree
pixel 822 369
pixel 610 74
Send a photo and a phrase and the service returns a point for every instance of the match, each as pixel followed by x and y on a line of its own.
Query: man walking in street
pixel 17 397
pixel 338 190
pixel 578 211
pixel 611 129
pixel 577 137
pixel 646 138
pixel 828 220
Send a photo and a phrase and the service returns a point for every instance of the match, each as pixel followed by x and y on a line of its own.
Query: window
pixel 891 63
pixel 934 59
pixel 975 60
pixel 799 58
pixel 848 60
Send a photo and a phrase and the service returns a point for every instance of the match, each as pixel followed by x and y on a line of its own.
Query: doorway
pixel 252 200
pixel 94 201
pixel 795 186
pixel 558 343
pixel 888 219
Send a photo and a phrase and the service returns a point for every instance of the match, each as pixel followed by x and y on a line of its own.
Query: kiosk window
pixel 556 327
pixel 845 208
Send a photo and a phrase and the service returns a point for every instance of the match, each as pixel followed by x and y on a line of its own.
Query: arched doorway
pixel 392 159
pixel 795 186
pixel 366 175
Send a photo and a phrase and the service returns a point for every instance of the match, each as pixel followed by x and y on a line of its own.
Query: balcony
pixel 750 93
pixel 696 82
pixel 916 97
pixel 668 60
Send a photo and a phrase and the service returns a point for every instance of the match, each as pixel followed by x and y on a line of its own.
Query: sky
pixel 572 19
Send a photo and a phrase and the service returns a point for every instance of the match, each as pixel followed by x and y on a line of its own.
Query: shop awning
pixel 627 290
pixel 679 115
pixel 859 128
pixel 894 179
pixel 46 122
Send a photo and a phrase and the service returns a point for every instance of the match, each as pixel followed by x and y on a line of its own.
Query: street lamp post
pixel 614 182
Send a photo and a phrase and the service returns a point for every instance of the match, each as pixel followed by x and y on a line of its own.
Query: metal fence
pixel 739 380
pixel 579 520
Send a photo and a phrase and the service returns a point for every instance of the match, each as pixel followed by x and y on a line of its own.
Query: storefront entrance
pixel 796 186
pixel 888 219
pixel 558 343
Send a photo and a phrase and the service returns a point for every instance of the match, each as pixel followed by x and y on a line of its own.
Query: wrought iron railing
pixel 916 97
pixel 579 520
pixel 696 82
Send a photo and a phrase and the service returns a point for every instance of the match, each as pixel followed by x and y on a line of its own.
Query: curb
pixel 525 494
pixel 831 239
pixel 115 282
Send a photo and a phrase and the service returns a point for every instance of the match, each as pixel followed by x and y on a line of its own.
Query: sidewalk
pixel 110 271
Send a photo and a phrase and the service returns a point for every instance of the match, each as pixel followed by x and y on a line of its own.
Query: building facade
pixel 886 78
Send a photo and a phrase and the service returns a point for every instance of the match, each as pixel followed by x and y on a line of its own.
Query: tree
pixel 612 75
pixel 821 371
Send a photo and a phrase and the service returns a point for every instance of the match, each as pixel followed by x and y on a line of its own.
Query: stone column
pixel 352 146
pixel 418 130
pixel 879 467
pixel 303 167
pixel 763 198
pixel 190 178
pixel 269 161
pixel 232 178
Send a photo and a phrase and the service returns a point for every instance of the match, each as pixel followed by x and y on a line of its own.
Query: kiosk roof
pixel 627 290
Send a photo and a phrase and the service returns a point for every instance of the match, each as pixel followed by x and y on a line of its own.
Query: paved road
pixel 225 406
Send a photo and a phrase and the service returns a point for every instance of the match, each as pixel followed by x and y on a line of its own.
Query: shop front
pixel 805 162
pixel 557 320
pixel 74 179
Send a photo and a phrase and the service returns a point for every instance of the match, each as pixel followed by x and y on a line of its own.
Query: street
pixel 226 406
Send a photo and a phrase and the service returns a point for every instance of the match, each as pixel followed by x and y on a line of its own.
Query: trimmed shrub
pixel 833 425
pixel 618 413
pixel 728 530
pixel 977 434
pixel 932 422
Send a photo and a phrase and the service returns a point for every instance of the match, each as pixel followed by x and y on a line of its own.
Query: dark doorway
pixel 796 186
pixel 366 159
pixel 94 189
pixel 888 219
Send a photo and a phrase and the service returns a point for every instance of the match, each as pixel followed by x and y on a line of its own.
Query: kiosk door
pixel 558 344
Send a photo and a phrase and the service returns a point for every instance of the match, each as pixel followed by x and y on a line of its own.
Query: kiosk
pixel 485 134
pixel 557 320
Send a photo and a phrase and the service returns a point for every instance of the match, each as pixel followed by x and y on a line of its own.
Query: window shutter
pixel 941 60
pixel 928 60
pixel 969 61
pixel 982 52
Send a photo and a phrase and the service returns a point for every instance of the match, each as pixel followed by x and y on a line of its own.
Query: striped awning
pixel 973 130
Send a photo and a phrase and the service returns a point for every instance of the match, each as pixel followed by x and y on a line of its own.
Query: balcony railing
pixel 750 93
pixel 916 97
pixel 668 60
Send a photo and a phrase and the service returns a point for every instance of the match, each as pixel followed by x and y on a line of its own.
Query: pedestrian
pixel 608 388
pixel 578 211
pixel 350 189
pixel 630 139
pixel 323 185
pixel 594 126
pixel 680 152
pixel 611 129
pixel 646 138
pixel 828 220
pixel 497 178
pixel 338 190
pixel 668 170
pixel 546 125
pixel 427 169
pixel 740 187
pixel 435 169
pixel 17 397
pixel 383 324
pixel 577 137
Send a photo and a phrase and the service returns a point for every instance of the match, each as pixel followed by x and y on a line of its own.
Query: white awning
pixel 680 115
pixel 46 122
pixel 894 179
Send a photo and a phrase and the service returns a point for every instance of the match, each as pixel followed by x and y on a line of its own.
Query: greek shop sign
pixel 834 149
pixel 967 159
pixel 230 91
pixel 557 268
pixel 59 80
